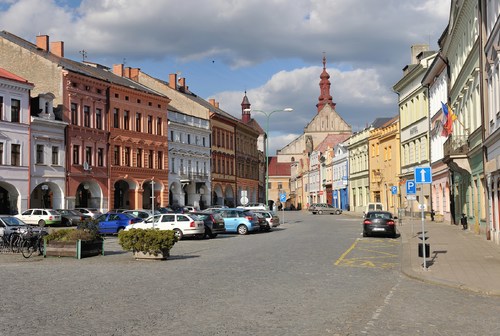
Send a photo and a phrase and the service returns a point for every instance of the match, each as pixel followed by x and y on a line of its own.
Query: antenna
pixel 124 61
pixel 84 54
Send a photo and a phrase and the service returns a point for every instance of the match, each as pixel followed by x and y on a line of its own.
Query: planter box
pixel 77 249
pixel 151 256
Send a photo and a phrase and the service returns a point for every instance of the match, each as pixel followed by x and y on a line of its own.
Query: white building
pixel 340 170
pixel 48 155
pixel 14 142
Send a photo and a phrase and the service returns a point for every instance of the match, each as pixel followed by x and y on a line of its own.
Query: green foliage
pixel 147 240
pixel 86 230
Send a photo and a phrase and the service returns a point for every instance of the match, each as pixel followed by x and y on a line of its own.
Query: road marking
pixel 374 255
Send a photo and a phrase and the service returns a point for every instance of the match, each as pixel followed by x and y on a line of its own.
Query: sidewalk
pixel 458 258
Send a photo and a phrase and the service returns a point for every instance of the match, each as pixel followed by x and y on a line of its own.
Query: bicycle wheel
pixel 15 243
pixel 27 248
pixel 40 246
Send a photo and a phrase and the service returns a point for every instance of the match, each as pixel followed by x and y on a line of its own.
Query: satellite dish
pixel 86 166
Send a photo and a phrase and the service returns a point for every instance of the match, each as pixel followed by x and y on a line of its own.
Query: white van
pixel 373 207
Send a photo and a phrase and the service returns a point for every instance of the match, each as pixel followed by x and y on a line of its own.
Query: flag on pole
pixel 449 118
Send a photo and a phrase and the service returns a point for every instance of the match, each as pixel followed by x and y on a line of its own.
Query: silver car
pixel 324 208
pixel 270 216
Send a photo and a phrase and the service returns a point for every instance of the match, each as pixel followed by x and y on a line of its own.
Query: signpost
pixel 244 198
pixel 283 201
pixel 423 175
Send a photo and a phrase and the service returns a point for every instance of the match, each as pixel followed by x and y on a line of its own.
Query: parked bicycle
pixel 32 241
pixel 9 243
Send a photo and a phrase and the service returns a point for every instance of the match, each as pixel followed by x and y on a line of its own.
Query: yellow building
pixel 384 163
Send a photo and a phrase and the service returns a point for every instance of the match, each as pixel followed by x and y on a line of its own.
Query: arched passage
pixel 47 195
pixel 9 199
pixel 88 195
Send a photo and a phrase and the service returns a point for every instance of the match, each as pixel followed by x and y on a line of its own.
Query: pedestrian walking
pixel 463 221
pixel 433 213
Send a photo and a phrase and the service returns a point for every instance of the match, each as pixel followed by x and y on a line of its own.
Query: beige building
pixel 383 144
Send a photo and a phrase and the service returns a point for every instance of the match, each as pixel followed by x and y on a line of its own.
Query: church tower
pixel 325 97
pixel 245 105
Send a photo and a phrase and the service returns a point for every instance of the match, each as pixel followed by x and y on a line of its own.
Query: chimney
pixel 118 69
pixel 182 84
pixel 42 42
pixel 212 101
pixel 217 104
pixel 172 81
pixel 126 73
pixel 416 49
pixel 57 48
pixel 134 74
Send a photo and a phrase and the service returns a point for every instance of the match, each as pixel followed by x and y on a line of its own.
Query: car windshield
pixel 13 221
pixel 381 215
pixel 53 212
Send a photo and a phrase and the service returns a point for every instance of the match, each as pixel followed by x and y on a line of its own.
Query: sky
pixel 270 49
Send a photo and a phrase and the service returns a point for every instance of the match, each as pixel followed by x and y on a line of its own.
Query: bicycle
pixel 32 241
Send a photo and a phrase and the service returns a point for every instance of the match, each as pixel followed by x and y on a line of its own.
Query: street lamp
pixel 268 115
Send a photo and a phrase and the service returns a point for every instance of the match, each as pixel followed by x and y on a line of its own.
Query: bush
pixel 87 230
pixel 147 240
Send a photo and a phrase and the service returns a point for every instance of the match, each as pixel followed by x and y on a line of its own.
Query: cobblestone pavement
pixel 286 282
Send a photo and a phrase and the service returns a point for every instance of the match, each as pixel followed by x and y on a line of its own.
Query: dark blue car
pixel 113 222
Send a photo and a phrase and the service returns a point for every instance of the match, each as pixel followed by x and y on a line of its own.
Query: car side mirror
pixel 395 217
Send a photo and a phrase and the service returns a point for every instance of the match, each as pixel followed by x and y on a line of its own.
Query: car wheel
pixel 68 223
pixel 242 229
pixel 41 223
pixel 178 234
pixel 365 234
pixel 320 212
pixel 213 235
pixel 120 229
pixel 337 212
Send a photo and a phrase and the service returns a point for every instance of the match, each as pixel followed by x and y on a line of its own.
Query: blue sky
pixel 272 49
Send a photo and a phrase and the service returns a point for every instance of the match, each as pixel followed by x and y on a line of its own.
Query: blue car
pixel 239 220
pixel 113 222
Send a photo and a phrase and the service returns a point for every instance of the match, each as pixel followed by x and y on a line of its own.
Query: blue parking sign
pixel 411 187
pixel 394 190
pixel 283 197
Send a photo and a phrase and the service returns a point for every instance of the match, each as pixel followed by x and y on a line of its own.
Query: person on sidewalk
pixel 463 221
pixel 433 213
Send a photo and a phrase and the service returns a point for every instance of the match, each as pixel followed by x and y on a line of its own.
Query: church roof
pixel 278 168
pixel 331 141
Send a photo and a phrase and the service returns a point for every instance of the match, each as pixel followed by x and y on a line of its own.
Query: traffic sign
pixel 244 200
pixel 411 197
pixel 335 194
pixel 394 190
pixel 411 187
pixel 422 206
pixel 423 175
pixel 283 197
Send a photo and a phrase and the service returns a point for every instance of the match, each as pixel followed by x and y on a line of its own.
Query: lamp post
pixel 268 115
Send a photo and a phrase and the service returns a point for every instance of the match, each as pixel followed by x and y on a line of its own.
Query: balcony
pixel 455 153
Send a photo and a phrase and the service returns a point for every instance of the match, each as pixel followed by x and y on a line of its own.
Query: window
pixel 76 154
pixel 1 153
pixel 116 116
pixel 15 109
pixel 158 126
pixel 189 139
pixel 280 185
pixel 171 135
pixel 138 122
pixel 160 160
pixel 100 157
pixel 127 156
pixel 116 156
pixel 88 155
pixel 74 114
pixel 150 159
pixel 150 124
pixel 98 118
pixel 1 109
pixel 39 154
pixel 172 166
pixel 55 155
pixel 204 144
pixel 126 120
pixel 139 157
pixel 86 116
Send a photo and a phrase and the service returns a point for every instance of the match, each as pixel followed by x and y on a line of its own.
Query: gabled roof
pixel 278 168
pixel 331 141
pixel 379 122
pixel 10 76
pixel 87 69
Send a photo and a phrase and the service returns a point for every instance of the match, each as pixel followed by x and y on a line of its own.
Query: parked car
pixel 114 222
pixel 184 225
pixel 10 225
pixel 143 214
pixel 324 208
pixel 40 217
pixel 89 212
pixel 254 206
pixel 189 208
pixel 214 208
pixel 165 210
pixel 379 223
pixel 239 220
pixel 271 217
pixel 70 217
pixel 264 225
pixel 214 223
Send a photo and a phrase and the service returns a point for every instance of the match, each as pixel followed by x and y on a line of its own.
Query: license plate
pixel 378 229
